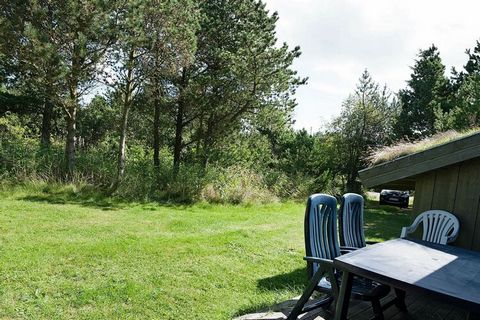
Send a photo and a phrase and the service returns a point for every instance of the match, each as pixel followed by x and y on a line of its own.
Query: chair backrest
pixel 350 220
pixel 438 226
pixel 321 239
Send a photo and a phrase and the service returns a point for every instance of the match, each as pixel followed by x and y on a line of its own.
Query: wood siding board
pixel 466 202
pixel 476 235
pixel 424 193
pixel 445 188
pixel 417 163
pixel 422 201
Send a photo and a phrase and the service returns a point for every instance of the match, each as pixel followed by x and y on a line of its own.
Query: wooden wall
pixel 456 189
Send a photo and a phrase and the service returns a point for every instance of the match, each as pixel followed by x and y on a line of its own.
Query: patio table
pixel 450 272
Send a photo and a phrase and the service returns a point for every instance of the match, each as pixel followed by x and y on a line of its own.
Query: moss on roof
pixel 405 148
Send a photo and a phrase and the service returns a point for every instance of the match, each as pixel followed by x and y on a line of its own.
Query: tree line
pixel 188 97
pixel 432 102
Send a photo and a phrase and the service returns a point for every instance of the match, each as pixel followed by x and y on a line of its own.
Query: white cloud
pixel 340 38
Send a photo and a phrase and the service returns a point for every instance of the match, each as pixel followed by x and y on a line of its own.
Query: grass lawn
pixel 65 256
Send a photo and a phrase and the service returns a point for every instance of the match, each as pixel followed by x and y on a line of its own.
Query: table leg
pixel 400 299
pixel 341 309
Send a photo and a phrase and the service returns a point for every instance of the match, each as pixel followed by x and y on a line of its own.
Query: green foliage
pixel 365 123
pixel 236 185
pixel 189 77
pixel 199 103
pixel 238 73
pixel 466 111
pixel 96 121
pixel 21 156
pixel 428 90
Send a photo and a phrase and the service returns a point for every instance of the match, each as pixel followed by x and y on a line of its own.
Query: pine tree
pixel 238 71
pixel 153 37
pixel 364 124
pixel 29 62
pixel 60 46
pixel 427 91
pixel 466 98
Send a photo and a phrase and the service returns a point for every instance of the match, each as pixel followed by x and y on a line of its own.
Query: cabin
pixel 444 177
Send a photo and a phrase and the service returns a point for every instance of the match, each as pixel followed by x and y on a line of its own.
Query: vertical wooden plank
pixel 424 186
pixel 445 188
pixel 466 203
pixel 474 197
pixel 423 193
pixel 476 233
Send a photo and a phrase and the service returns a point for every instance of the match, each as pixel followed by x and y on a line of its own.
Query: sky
pixel 340 38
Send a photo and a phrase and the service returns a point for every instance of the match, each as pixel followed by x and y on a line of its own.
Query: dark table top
pixel 410 264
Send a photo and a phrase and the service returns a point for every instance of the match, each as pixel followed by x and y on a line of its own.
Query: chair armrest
pixel 344 249
pixel 410 229
pixel 348 248
pixel 325 268
pixel 319 260
pixel 407 230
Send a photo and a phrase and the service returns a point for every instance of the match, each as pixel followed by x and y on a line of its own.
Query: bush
pixel 20 156
pixel 24 160
pixel 236 185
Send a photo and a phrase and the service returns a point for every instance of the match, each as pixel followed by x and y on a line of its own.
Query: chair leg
pixel 298 308
pixel 400 299
pixel 473 315
pixel 377 310
pixel 343 299
pixel 324 303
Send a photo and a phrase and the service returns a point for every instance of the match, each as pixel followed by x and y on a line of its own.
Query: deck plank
pixel 419 306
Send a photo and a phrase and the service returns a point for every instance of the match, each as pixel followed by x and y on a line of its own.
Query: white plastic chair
pixel 438 226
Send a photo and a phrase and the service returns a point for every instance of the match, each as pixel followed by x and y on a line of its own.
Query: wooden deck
pixel 420 307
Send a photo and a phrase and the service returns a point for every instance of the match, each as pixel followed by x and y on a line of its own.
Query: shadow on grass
pixel 261 307
pixel 86 200
pixel 92 197
pixel 294 281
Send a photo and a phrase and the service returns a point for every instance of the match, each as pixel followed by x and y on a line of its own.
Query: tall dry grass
pixel 405 148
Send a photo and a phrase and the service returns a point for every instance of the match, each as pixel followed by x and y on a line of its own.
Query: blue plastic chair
pixel 350 221
pixel 322 246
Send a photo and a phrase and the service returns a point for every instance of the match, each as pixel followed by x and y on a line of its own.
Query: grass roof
pixel 405 148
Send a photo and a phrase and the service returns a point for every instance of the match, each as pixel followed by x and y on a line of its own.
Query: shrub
pixel 24 161
pixel 236 185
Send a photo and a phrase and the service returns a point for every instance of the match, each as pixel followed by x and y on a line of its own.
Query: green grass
pixel 66 255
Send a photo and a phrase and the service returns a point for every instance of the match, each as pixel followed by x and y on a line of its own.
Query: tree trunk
pixel 353 185
pixel 178 144
pixel 122 147
pixel 127 103
pixel 46 123
pixel 205 157
pixel 177 148
pixel 156 131
pixel 71 111
pixel 71 119
pixel 207 145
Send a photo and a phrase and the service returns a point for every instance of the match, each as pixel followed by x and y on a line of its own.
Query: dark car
pixel 395 198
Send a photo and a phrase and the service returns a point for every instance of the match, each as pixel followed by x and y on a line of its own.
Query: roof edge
pixel 406 166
